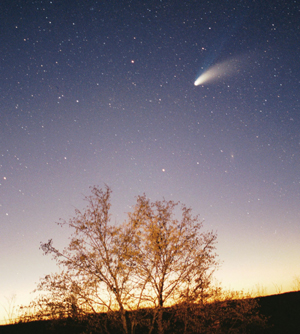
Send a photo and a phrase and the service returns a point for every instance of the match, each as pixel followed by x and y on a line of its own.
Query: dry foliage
pixel 145 275
pixel 10 309
pixel 296 283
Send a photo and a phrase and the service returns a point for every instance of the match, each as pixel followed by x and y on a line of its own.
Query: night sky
pixel 102 92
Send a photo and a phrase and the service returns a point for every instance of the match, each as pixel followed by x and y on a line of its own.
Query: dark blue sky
pixel 96 92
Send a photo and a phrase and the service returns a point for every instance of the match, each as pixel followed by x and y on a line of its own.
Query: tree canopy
pixel 159 259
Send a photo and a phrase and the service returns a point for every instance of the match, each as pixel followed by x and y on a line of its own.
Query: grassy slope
pixel 283 310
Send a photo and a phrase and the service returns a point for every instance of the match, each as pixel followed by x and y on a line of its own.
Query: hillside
pixel 283 311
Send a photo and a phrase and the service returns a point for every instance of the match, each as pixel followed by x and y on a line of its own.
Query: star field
pixel 102 92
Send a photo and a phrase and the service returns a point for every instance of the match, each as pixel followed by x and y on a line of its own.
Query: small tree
pixel 10 309
pixel 174 257
pixel 125 276
pixel 98 263
pixel 296 283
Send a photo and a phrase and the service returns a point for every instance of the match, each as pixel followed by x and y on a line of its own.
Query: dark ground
pixel 283 311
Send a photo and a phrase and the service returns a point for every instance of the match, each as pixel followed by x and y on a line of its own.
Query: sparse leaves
pixel 158 258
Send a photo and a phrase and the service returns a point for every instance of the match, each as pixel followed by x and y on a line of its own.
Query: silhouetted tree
pixel 154 269
pixel 173 255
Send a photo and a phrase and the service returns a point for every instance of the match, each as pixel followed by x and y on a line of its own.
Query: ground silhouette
pixel 282 311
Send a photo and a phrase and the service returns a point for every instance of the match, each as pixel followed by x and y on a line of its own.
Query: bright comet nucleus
pixel 204 77
pixel 218 71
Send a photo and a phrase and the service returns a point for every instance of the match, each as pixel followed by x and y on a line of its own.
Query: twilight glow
pixel 101 92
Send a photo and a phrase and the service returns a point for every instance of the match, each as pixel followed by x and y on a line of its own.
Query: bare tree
pixel 296 283
pixel 174 256
pixel 139 273
pixel 10 309
pixel 97 262
pixel 278 288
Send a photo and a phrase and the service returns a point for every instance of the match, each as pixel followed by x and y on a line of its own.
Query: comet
pixel 218 71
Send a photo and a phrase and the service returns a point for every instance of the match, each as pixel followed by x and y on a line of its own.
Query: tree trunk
pixel 160 321
pixel 124 322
